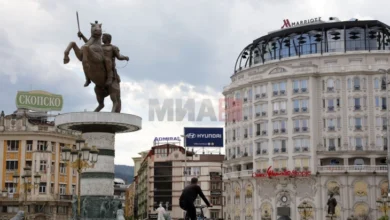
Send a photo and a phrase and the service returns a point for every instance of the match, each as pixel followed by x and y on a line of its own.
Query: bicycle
pixel 199 216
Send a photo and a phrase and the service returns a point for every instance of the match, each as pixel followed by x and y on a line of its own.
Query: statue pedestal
pixel 97 183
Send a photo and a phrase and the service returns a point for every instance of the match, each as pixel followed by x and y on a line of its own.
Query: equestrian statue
pixel 98 62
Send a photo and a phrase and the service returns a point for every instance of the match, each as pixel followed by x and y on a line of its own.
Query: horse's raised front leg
pixel 76 49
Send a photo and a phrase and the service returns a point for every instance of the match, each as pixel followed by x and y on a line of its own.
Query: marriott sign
pixel 288 24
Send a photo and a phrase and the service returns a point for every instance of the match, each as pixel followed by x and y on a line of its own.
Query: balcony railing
pixel 237 174
pixel 352 168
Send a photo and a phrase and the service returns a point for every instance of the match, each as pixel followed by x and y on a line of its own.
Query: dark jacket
pixel 191 192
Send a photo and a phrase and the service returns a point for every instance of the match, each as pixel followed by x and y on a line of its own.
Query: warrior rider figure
pixel 110 53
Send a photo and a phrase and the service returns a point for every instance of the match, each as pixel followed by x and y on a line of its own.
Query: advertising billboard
pixel 203 137
pixel 39 101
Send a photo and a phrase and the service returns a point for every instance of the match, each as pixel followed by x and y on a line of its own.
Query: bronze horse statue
pixel 91 55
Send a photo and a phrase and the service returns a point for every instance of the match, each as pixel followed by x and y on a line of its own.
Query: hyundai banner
pixel 203 137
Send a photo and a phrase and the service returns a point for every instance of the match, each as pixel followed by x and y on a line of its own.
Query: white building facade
pixel 309 99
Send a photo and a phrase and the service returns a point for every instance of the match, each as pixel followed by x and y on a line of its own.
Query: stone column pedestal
pixel 97 183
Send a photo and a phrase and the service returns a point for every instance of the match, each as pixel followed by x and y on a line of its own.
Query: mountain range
pixel 124 172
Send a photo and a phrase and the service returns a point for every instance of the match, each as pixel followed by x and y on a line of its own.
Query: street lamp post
pixel 27 184
pixel 386 72
pixel 80 159
pixel 185 159
pixel 305 209
pixel 383 204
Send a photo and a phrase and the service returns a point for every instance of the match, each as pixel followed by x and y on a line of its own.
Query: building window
pixel 62 210
pixel 28 163
pixel 12 145
pixel 214 214
pixel 11 165
pixel 73 189
pixel 10 187
pixel 302 164
pixel 42 187
pixel 53 147
pixel 42 145
pixel 301 145
pixel 216 200
pixel 43 165
pixel 215 185
pixel 29 146
pixel 62 168
pixel 356 83
pixel 279 88
pixel 62 189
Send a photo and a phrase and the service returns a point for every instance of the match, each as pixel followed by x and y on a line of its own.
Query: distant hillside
pixel 124 172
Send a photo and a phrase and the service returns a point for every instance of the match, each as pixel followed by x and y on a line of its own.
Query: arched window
pixel 356 83
pixel 376 83
pixel 330 83
pixel 383 83
pixel 238 95
pixel 349 83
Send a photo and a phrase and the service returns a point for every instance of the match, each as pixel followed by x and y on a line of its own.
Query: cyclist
pixel 188 197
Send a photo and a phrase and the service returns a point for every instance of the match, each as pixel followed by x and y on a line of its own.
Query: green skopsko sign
pixel 39 101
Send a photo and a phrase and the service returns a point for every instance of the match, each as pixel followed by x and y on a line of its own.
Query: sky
pixel 178 50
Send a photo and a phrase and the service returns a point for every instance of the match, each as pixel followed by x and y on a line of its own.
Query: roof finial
pixel 96 22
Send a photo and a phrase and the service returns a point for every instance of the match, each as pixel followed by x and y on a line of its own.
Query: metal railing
pixel 352 168
pixel 236 174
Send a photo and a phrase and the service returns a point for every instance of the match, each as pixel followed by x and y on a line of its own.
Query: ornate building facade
pixel 29 139
pixel 306 117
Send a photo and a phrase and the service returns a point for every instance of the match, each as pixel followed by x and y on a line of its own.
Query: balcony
pixel 304 89
pixel 331 128
pixel 356 87
pixel 358 127
pixel 263 95
pixel 295 90
pixel 296 109
pixel 65 197
pixel 330 89
pixel 238 174
pixel 330 108
pixel 264 132
pixel 357 107
pixel 384 107
pixel 257 96
pixel 352 168
pixel 304 109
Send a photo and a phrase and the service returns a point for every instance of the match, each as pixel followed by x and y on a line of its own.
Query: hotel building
pixel 309 98
pixel 29 139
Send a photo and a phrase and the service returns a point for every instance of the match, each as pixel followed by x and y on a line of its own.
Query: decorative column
pixel 97 182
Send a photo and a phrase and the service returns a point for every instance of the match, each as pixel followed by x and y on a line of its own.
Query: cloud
pixel 177 49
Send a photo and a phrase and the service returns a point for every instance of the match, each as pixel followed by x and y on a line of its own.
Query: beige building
pixel 161 179
pixel 309 98
pixel 30 139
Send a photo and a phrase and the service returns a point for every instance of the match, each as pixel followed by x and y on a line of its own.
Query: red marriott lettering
pixel 286 23
pixel 270 173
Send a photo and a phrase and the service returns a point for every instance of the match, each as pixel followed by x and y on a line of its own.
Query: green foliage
pixel 384 218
